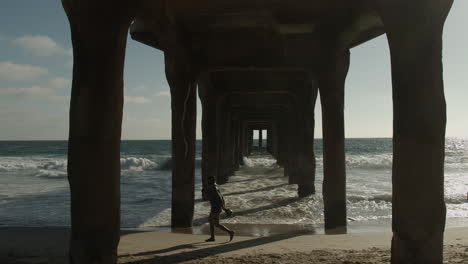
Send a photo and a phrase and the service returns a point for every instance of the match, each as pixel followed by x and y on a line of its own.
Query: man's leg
pixel 212 224
pixel 224 228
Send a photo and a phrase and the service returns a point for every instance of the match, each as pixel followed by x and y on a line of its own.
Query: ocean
pixel 34 189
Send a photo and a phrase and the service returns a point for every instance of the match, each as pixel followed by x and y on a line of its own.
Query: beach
pixel 49 245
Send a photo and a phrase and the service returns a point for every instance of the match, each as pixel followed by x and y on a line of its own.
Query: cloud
pixel 59 82
pixel 140 88
pixel 32 122
pixel 47 90
pixel 34 91
pixel 163 94
pixel 41 46
pixel 10 71
pixel 136 100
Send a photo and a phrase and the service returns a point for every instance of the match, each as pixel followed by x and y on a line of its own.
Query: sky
pixel 36 70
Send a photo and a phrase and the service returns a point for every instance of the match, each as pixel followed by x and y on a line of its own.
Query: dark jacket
pixel 216 199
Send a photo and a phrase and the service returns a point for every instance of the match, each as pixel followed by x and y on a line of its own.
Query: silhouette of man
pixel 217 203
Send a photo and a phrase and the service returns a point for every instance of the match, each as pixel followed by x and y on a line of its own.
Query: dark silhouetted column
pixel 181 79
pixel 95 128
pixel 223 131
pixel 331 85
pixel 419 119
pixel 209 134
pixel 267 142
pixel 250 134
pixel 280 131
pixel 306 155
pixel 260 139
pixel 292 131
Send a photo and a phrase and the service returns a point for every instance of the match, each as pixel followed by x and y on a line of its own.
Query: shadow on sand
pixel 201 251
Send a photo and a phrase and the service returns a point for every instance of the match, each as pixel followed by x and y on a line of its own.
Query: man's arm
pixel 221 197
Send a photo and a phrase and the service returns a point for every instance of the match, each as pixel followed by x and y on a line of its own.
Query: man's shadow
pixel 166 250
pixel 200 251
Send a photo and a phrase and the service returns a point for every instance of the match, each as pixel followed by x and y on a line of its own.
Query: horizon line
pixel 168 139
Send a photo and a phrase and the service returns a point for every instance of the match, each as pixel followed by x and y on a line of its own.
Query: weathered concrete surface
pixel 95 128
pixel 306 155
pixel 419 113
pixel 181 78
pixel 331 82
pixel 209 130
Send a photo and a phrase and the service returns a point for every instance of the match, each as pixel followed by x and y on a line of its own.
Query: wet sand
pixel 49 245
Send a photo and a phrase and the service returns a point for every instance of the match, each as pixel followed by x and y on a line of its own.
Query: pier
pixel 258 65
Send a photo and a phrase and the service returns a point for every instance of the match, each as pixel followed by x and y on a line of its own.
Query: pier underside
pixel 258 65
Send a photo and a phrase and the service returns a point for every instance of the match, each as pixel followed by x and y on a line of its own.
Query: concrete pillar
pixel 268 141
pixel 95 128
pixel 274 140
pixel 292 130
pixel 260 139
pixel 250 141
pixel 181 79
pixel 224 161
pixel 331 84
pixel 229 151
pixel 306 154
pixel 239 143
pixel 235 156
pixel 285 130
pixel 419 114
pixel 281 141
pixel 209 136
pixel 242 141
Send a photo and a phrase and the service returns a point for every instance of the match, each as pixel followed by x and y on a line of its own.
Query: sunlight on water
pixel 34 188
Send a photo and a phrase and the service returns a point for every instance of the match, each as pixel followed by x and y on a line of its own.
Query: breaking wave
pixel 137 164
pixel 145 164
pixel 266 162
pixel 56 167
pixel 51 174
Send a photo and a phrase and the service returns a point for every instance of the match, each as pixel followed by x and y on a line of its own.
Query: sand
pixel 49 245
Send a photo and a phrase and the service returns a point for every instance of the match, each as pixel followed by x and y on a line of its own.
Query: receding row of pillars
pixel 96 110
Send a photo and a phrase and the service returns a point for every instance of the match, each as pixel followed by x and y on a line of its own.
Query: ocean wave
pixel 266 162
pixel 378 161
pixel 372 162
pixel 145 164
pixel 137 164
pixel 29 163
pixel 42 164
pixel 8 167
pixel 456 199
pixel 387 198
pixel 456 161
pixel 453 162
pixel 51 174
pixel 60 164
pixel 385 160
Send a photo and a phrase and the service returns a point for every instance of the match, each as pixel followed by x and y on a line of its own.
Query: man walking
pixel 217 203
